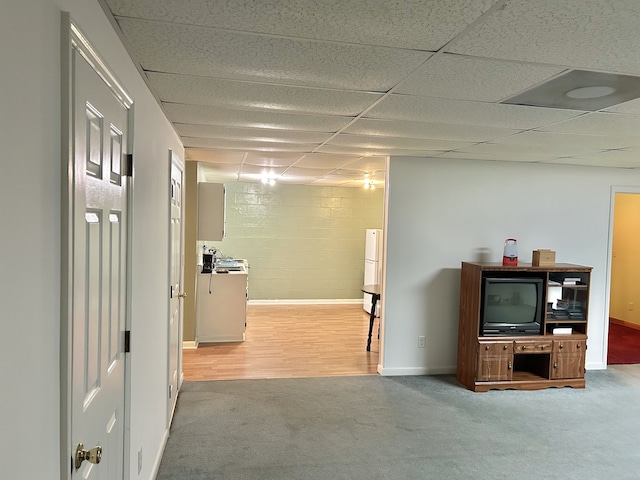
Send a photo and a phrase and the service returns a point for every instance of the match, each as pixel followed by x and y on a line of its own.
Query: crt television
pixel 512 306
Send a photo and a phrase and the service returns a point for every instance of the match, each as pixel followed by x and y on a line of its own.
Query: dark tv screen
pixel 512 305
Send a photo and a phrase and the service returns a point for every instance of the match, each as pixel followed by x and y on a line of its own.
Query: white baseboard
pixel 189 345
pixel 391 372
pixel 311 301
pixel 156 464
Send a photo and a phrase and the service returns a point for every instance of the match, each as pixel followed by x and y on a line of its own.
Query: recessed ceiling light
pixel 596 91
pixel 580 90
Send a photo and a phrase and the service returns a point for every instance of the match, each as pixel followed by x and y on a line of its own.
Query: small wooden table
pixel 374 291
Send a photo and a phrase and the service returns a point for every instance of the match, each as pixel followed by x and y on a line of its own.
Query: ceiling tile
pixel 307 172
pixel 395 142
pixel 261 171
pixel 599 124
pixel 499 156
pixel 203 114
pixel 567 143
pixel 365 152
pixel 249 95
pixel 459 112
pixel 629 158
pixel 214 156
pixel 369 165
pixel 324 160
pixel 250 134
pixel 221 143
pixel 436 131
pixel 590 34
pixel 493 80
pixel 631 107
pixel 272 159
pixel 233 55
pixel 425 25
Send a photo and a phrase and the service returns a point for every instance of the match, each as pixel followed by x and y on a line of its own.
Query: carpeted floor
pixel 624 345
pixel 421 427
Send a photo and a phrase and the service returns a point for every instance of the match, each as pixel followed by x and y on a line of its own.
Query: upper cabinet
pixel 211 211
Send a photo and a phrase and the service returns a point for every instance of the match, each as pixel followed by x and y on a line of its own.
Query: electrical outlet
pixel 421 341
pixel 139 460
pixel 631 306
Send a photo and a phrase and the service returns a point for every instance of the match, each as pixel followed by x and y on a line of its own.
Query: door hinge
pixel 127 341
pixel 128 165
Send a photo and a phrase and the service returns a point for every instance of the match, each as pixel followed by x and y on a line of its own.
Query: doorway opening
pixel 624 306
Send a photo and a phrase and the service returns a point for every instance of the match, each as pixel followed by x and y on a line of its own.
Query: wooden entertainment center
pixel 525 362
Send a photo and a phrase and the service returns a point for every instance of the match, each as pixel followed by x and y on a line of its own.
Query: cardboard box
pixel 543 258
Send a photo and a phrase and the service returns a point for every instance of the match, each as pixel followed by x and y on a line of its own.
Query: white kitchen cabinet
pixel 221 306
pixel 211 211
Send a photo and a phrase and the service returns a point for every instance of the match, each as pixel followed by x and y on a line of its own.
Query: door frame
pixel 73 40
pixel 615 189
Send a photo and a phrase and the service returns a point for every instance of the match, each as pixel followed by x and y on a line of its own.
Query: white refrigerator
pixel 372 264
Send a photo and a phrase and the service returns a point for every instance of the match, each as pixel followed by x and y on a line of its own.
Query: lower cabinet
pixel 568 359
pixel 529 363
pixel 495 361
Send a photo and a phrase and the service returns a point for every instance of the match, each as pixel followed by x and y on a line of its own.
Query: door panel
pixel 176 280
pixel 99 266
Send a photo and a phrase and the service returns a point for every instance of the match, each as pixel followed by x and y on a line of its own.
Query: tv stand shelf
pixel 532 361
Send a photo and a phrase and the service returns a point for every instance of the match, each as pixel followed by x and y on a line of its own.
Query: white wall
pixel 443 212
pixel 30 233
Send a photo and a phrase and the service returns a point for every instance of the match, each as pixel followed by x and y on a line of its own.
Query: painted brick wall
pixel 302 242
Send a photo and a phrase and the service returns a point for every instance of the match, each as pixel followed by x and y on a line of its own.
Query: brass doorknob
pixel 182 295
pixel 92 456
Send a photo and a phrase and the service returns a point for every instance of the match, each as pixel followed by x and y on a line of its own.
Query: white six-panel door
pixel 176 289
pixel 99 234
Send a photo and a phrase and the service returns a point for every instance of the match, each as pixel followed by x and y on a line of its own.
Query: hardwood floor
pixel 286 341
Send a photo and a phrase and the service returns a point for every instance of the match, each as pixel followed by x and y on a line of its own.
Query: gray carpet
pixel 425 427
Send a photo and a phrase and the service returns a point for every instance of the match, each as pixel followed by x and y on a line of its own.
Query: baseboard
pixel 394 372
pixel 156 464
pixel 311 301
pixel 190 345
pixel 635 326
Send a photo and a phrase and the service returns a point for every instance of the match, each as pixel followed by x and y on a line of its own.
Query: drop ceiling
pixel 321 92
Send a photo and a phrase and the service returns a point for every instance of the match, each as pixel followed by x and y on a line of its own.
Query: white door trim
pixel 72 39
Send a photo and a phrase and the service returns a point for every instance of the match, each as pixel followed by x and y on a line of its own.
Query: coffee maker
pixel 207 262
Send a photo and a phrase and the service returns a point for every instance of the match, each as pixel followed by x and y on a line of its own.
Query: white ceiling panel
pixel 313 84
pixel 425 25
pixel 221 143
pixel 309 172
pixel 599 124
pixel 365 152
pixel 369 165
pixel 568 143
pixel 215 156
pixel 631 107
pixel 501 156
pixel 618 159
pixel 261 171
pixel 234 55
pixel 436 131
pixel 324 160
pixel 395 143
pixel 250 134
pixel 590 34
pixel 493 80
pixel 272 159
pixel 459 112
pixel 250 95
pixel 204 114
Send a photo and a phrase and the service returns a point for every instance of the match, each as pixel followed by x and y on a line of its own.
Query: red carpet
pixel 624 345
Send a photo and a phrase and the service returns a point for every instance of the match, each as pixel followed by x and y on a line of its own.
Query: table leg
pixel 374 300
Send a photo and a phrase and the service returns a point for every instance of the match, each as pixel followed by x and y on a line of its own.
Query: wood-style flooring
pixel 287 341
